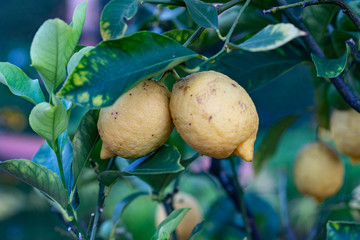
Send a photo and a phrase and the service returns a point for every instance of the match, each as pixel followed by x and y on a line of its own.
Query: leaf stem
pixel 228 35
pixel 226 46
pixel 354 52
pixel 59 161
pixel 75 221
pixel 342 4
pixel 100 202
pixel 241 199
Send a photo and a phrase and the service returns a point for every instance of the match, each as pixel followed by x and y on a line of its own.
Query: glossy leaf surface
pixel 112 67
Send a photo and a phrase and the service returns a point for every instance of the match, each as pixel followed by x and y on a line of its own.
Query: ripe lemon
pixel 318 171
pixel 345 131
pixel 191 219
pixel 138 122
pixel 214 115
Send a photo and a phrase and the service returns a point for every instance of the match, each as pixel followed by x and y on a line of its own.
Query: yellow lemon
pixel 191 219
pixel 138 122
pixel 318 171
pixel 214 115
pixel 345 131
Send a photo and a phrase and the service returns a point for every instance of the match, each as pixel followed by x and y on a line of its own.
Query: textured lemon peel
pixel 214 115
pixel 345 132
pixel 138 122
pixel 318 171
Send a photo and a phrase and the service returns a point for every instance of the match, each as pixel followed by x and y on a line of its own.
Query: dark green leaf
pixel 112 67
pixel 196 231
pixel 109 177
pixel 185 150
pixel 204 14
pixel 39 177
pixel 158 169
pixel 20 84
pixel 84 142
pixel 329 68
pixel 49 121
pixel 321 87
pixel 269 145
pixel 317 19
pixel 338 39
pixel 112 24
pixel 53 46
pixel 167 226
pixel 341 230
pixel 271 37
pixel 47 158
pixel 120 207
pixel 254 70
pixel 165 160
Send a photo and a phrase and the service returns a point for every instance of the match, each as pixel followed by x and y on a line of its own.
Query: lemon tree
pixel 211 96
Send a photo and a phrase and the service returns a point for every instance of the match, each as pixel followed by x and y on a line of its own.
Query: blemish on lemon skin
pixel 210 118
pixel 233 85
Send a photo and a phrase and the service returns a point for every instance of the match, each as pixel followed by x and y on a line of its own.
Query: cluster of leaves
pixel 261 50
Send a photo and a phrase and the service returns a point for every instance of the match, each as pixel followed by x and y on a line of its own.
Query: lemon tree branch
pixel 345 91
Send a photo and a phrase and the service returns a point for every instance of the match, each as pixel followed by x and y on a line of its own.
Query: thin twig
pixel 345 91
pixel 100 202
pixel 354 52
pixel 342 4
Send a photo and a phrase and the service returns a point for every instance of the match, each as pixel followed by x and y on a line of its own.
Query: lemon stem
pixel 100 203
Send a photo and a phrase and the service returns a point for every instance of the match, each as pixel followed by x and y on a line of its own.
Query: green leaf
pixel 321 87
pixel 165 160
pixel 254 70
pixel 204 14
pixel 120 207
pixel 77 25
pixel 84 142
pixel 330 68
pixel 167 226
pixel 109 177
pixel 46 157
pixel 341 230
pixel 158 169
pixel 49 121
pixel 317 19
pixel 47 52
pixel 114 66
pixel 271 37
pixel 112 24
pixel 20 84
pixel 53 45
pixel 196 231
pixel 75 59
pixel 269 145
pixel 37 176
